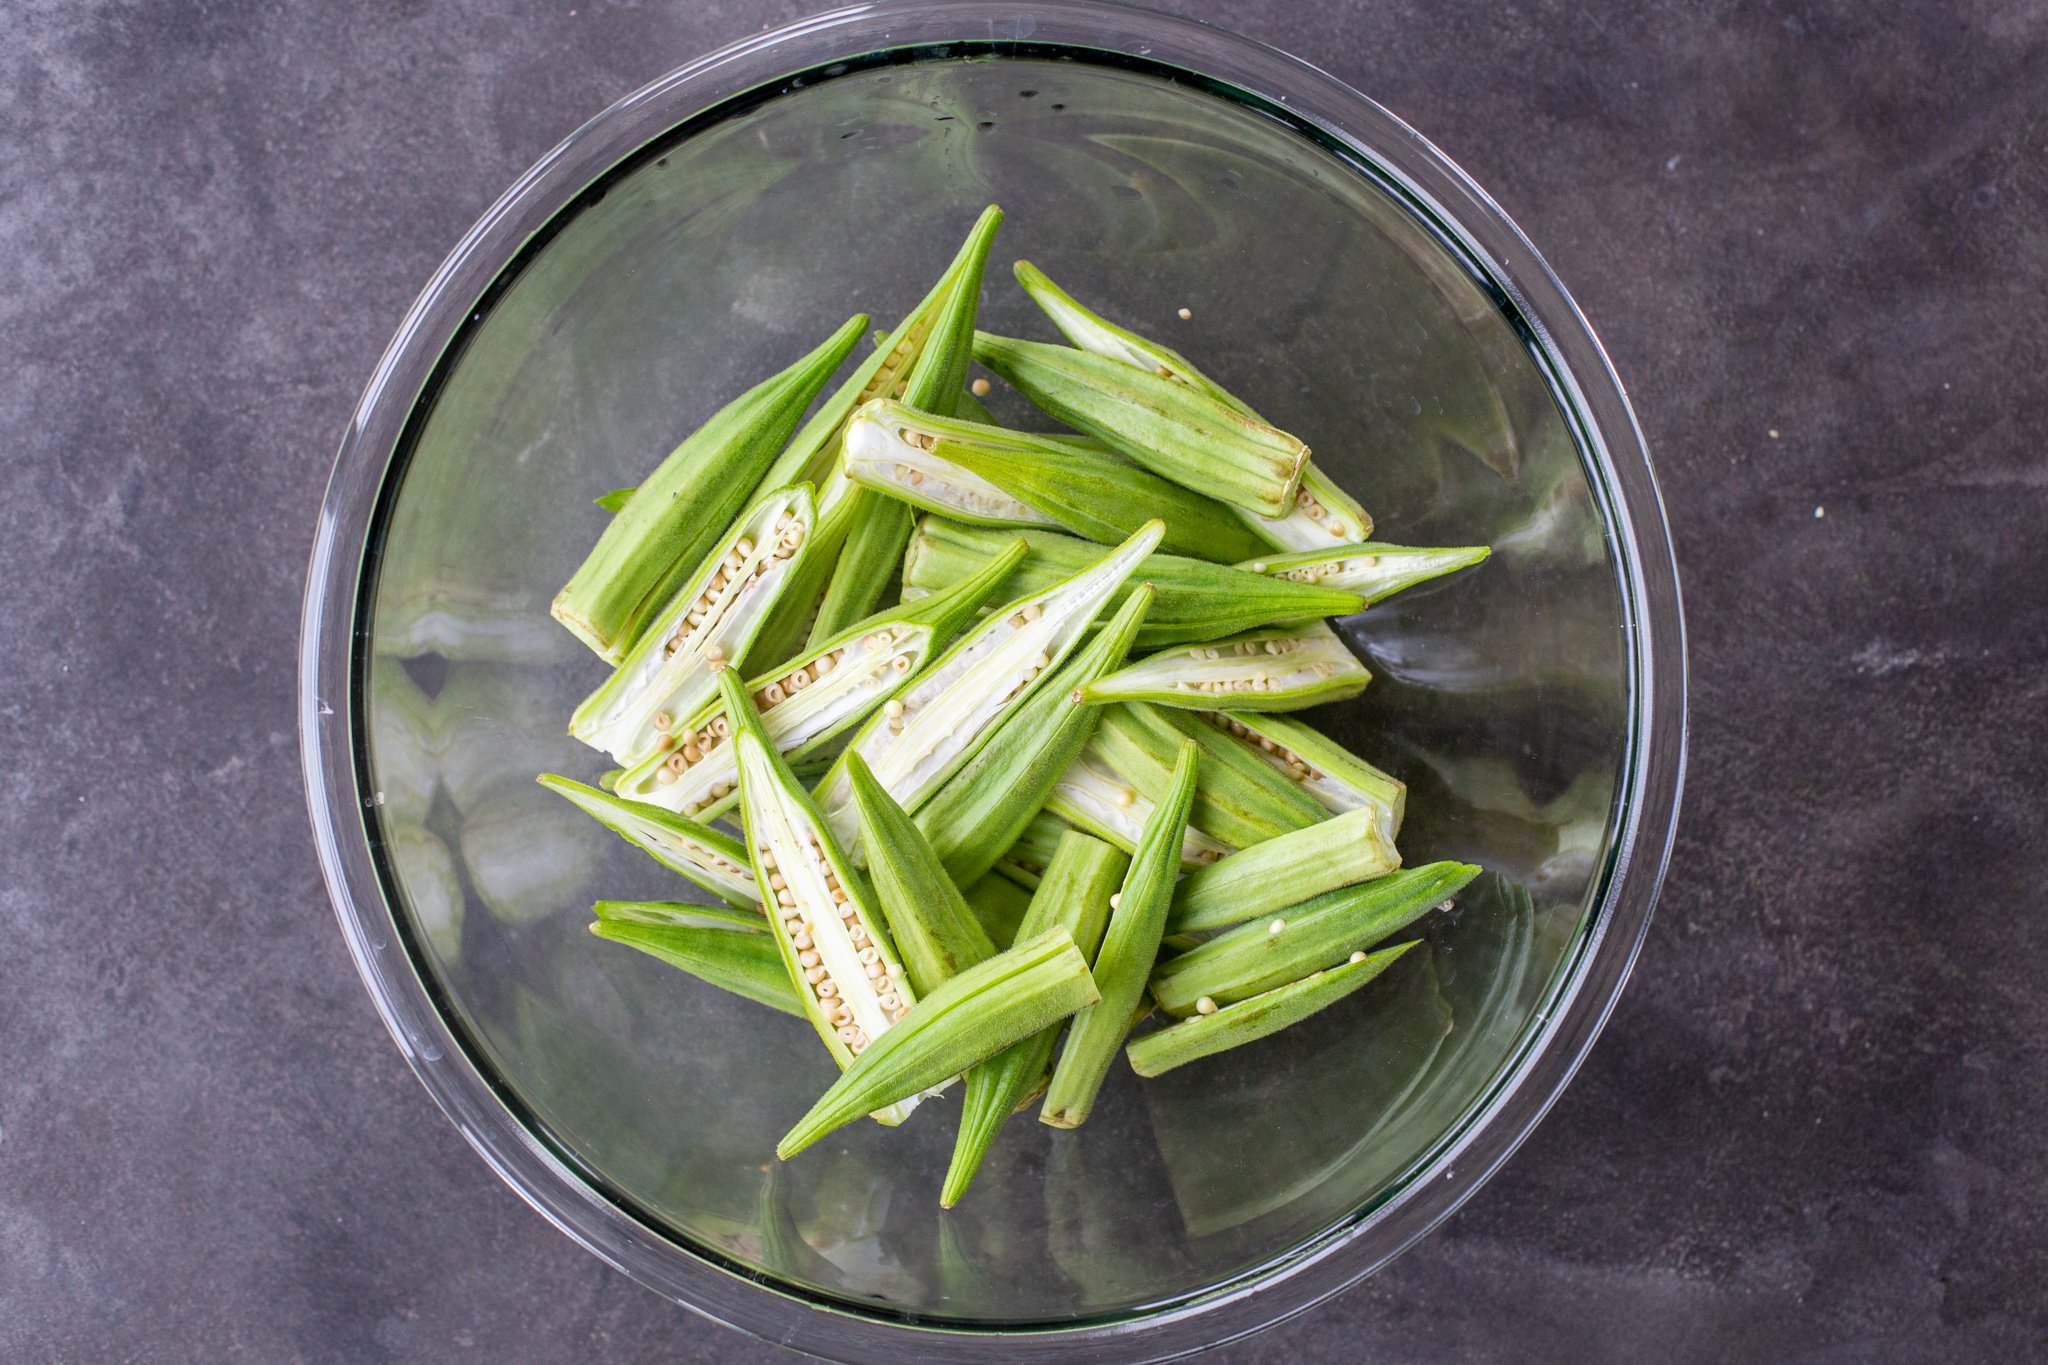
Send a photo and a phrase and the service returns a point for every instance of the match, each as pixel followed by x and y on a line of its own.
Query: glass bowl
pixel 1346 279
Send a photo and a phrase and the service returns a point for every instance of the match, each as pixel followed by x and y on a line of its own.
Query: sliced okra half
pixel 809 701
pixel 710 623
pixel 1282 668
pixel 1322 511
pixel 732 949
pixel 1330 773
pixel 923 735
pixel 1176 431
pixel 991 476
pixel 1283 871
pixel 1316 935
pixel 657 537
pixel 853 986
pixel 717 862
pixel 1196 600
pixel 1092 797
pixel 969 1019
pixel 1375 572
pixel 1258 1016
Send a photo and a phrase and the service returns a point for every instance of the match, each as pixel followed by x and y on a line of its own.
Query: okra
pixel 1283 871
pixel 1081 876
pixel 808 701
pixel 930 922
pixel 1177 432
pixel 710 622
pixel 991 476
pixel 649 548
pixel 1313 936
pixel 1240 803
pixel 999 903
pixel 731 949
pixel 1196 600
pixel 714 861
pixel 1374 572
pixel 1129 945
pixel 969 1019
pixel 1334 776
pixel 1258 1017
pixel 1025 860
pixel 1322 511
pixel 982 808
pixel 881 526
pixel 924 734
pixel 1092 797
pixel 833 945
pixel 1282 668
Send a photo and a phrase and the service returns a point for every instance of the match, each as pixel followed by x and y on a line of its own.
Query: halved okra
pixel 1335 777
pixel 810 700
pixel 1280 668
pixel 1240 803
pixel 881 526
pixel 1313 936
pixel 992 476
pixel 852 985
pixel 649 548
pixel 1283 871
pixel 732 949
pixel 1322 511
pixel 1093 798
pixel 1177 432
pixel 714 861
pixel 924 734
pixel 1080 877
pixel 1259 1016
pixel 971 1018
pixel 710 622
pixel 1024 861
pixel 1375 572
pixel 979 812
pixel 1124 962
pixel 934 930
pixel 1196 600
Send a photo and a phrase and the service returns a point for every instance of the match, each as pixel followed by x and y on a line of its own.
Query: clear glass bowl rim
pixel 1618 466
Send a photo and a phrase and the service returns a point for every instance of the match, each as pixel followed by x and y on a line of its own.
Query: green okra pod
pixel 1330 774
pixel 967 1020
pixel 1373 571
pixel 1174 430
pixel 999 903
pixel 992 476
pixel 1280 668
pixel 1283 871
pixel 1322 511
pixel 1239 804
pixel 1091 797
pixel 1081 876
pixel 1196 600
pixel 652 544
pixel 924 734
pixel 1310 937
pixel 731 949
pixel 1123 963
pixel 808 701
pixel 1259 1016
pixel 711 621
pixel 982 809
pixel 714 861
pixel 930 922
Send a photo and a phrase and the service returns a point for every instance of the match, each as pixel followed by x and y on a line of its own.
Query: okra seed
pixel 1357 957
pixel 1205 1006
pixel 1276 926
pixel 979 387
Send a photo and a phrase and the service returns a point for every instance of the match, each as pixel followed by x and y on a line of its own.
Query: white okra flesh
pixel 669 672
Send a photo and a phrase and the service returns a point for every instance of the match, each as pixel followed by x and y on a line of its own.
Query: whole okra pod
pixel 731 949
pixel 1283 871
pixel 1313 936
pixel 686 504
pixel 1280 668
pixel 1196 600
pixel 969 1019
pixel 1375 572
pixel 1129 945
pixel 1176 431
pixel 1332 775
pixel 1259 1016
pixel 930 922
pixel 714 861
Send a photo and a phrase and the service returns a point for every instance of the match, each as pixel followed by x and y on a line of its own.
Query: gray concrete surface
pixel 1812 235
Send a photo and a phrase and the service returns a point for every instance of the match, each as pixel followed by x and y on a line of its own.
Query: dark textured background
pixel 1813 237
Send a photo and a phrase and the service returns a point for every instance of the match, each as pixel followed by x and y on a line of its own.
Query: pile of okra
pixel 986 831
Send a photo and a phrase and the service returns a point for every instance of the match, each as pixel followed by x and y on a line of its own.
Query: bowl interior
pixel 1501 696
